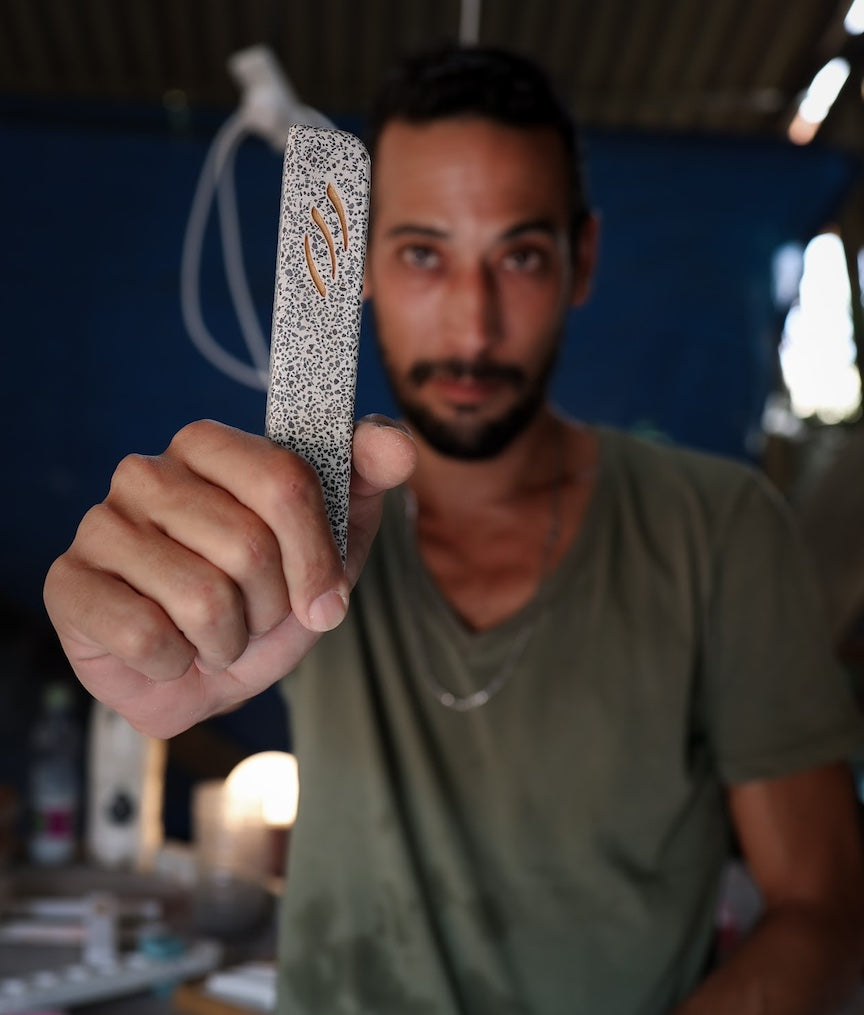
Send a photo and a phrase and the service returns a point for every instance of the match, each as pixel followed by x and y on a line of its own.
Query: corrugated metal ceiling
pixel 736 66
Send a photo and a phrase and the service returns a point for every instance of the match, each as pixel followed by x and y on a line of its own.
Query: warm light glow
pixel 854 22
pixel 817 351
pixel 270 778
pixel 802 131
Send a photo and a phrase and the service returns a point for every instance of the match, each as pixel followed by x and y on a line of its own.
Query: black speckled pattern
pixel 317 305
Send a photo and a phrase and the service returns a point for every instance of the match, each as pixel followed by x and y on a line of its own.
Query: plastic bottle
pixel 55 790
pixel 125 776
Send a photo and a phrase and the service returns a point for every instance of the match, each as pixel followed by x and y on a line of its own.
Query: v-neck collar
pixel 440 614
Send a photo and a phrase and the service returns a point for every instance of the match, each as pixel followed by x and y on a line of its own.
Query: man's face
pixel 471 271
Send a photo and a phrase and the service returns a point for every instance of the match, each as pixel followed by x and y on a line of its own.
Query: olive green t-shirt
pixel 559 849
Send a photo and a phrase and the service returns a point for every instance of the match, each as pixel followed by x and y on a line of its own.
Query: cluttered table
pixel 89 941
pixel 98 942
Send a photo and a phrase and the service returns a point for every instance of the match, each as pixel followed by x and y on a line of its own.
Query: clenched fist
pixel 209 571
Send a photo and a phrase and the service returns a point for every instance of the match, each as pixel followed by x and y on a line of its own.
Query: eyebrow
pixel 410 229
pixel 541 225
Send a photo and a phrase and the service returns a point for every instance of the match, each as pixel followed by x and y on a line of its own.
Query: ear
pixel 585 260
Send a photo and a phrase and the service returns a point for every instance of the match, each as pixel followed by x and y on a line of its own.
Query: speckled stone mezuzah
pixel 317 305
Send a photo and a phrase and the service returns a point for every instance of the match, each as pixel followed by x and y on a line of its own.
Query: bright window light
pixel 817 350
pixel 854 23
pixel 824 89
pixel 818 99
pixel 787 267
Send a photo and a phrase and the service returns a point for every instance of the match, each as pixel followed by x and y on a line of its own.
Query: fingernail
pixel 385 422
pixel 328 611
pixel 210 669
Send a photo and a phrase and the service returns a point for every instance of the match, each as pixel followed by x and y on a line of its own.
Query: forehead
pixel 469 167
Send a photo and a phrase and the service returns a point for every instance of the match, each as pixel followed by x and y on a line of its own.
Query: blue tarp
pixel 679 336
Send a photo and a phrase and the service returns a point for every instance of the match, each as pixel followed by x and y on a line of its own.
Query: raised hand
pixel 209 571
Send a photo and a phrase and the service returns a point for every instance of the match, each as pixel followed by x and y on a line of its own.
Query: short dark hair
pixel 453 81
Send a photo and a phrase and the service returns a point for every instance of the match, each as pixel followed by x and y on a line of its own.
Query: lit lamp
pixel 269 784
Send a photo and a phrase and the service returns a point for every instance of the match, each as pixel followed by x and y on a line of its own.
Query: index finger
pixel 284 491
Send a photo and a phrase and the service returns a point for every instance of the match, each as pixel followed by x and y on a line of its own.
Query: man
pixel 575 664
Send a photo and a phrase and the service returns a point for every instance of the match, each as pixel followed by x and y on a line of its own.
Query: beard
pixel 465 437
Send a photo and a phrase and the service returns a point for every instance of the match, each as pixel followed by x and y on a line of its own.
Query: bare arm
pixel 209 571
pixel 800 837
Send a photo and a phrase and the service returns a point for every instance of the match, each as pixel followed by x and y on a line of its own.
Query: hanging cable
pixel 267 109
pixel 469 22
pixel 225 142
pixel 232 251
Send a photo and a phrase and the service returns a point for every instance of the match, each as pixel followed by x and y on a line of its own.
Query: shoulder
pixel 678 481
pixel 671 463
pixel 690 507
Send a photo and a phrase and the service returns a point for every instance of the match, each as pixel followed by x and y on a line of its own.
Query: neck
pixel 489 531
pixel 531 461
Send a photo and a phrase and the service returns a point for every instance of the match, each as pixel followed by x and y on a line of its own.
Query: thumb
pixel 384 456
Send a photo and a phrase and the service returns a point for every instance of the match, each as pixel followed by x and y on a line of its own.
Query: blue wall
pixel 679 335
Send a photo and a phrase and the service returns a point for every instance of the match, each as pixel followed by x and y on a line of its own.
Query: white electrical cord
pixel 469 22
pixel 232 251
pixel 268 108
pixel 222 150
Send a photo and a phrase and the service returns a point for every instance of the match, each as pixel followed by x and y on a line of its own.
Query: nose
pixel 474 312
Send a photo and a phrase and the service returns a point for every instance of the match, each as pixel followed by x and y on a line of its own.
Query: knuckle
pixel 59 575
pixel 295 485
pixel 191 435
pixel 213 607
pixel 150 636
pixel 254 550
pixel 134 475
pixel 98 528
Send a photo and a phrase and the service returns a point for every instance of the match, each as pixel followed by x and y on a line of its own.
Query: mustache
pixel 456 369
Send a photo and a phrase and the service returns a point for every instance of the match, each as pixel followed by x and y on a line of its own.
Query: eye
pixel 420 256
pixel 525 259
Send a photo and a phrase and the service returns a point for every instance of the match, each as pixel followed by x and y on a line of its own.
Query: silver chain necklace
pixel 468 702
